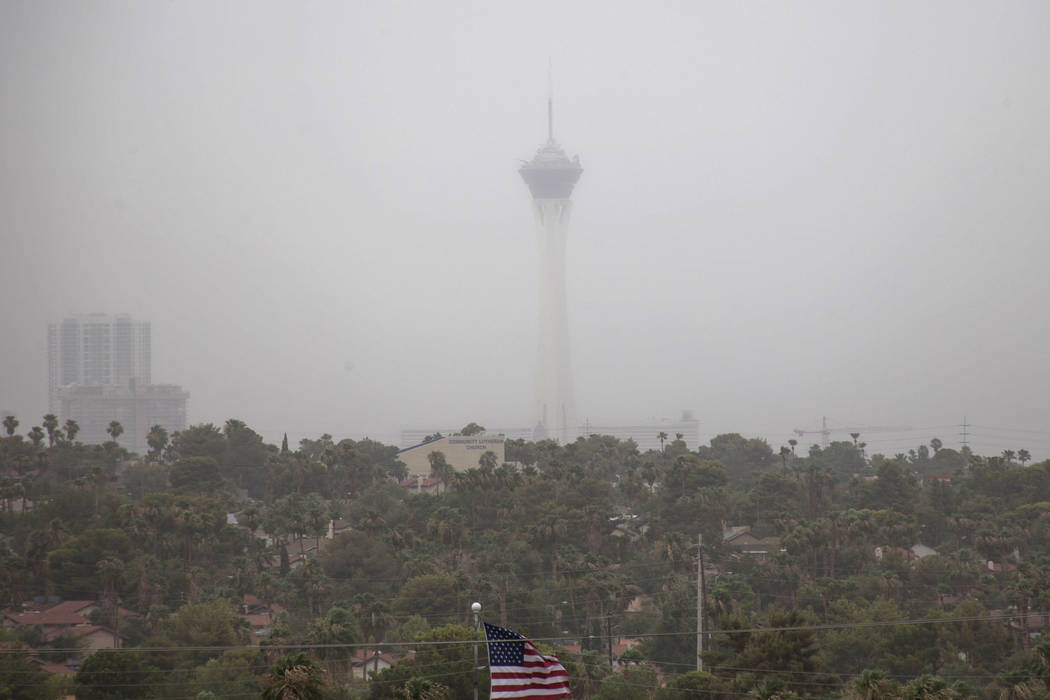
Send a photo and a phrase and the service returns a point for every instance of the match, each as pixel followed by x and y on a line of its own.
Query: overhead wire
pixel 445 643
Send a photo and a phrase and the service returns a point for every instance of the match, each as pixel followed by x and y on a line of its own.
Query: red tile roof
pixel 46 618
pixel 259 620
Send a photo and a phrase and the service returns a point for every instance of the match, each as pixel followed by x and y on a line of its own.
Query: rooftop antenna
pixel 550 100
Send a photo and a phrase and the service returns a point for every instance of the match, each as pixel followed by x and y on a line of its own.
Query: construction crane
pixel 825 432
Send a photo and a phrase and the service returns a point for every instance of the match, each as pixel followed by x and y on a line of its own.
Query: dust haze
pixel 788 210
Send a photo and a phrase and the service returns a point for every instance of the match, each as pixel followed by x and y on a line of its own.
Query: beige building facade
pixel 463 452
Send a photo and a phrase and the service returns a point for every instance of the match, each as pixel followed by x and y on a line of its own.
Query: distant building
pixel 740 539
pixel 99 371
pixel 96 350
pixel 463 452
pixel 645 435
pixel 137 407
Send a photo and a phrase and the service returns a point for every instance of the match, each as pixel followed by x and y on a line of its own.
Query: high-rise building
pixel 96 350
pixel 137 407
pixel 99 372
pixel 551 176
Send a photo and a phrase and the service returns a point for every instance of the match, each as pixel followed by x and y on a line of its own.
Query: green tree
pixel 440 468
pixel 472 429
pixel 661 436
pixel 633 683
pixel 71 428
pixel 783 652
pixel 445 653
pixel 417 688
pixel 871 685
pixel 369 562
pixel 294 677
pixel 203 440
pixel 434 596
pixel 488 460
pixel 21 678
pixel 234 674
pixel 244 457
pixel 115 430
pixel 211 624
pixel 157 439
pixel 50 424
pixel 929 688
pixel 73 567
pixel 10 424
pixel 112 675
pixel 195 475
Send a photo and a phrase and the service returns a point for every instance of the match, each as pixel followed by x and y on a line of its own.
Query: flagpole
pixel 476 609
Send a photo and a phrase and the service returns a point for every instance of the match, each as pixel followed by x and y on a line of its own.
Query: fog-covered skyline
pixel 789 210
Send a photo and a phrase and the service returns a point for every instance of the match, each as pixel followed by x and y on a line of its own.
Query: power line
pixel 445 643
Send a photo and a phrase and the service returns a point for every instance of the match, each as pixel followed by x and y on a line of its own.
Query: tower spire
pixel 550 100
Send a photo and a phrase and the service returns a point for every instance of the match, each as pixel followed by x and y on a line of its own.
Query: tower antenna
pixel 550 99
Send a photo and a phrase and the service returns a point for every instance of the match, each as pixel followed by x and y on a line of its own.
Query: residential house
pixel 365 662
pixel 68 618
pixel 741 539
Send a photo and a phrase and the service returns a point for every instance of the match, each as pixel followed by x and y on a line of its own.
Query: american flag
pixel 520 671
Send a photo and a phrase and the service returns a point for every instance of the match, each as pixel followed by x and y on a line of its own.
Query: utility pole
pixel 966 445
pixel 476 609
pixel 701 599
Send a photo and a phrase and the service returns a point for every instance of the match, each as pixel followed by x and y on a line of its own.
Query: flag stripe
pixel 519 671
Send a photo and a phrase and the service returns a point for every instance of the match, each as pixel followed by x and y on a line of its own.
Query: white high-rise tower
pixel 551 177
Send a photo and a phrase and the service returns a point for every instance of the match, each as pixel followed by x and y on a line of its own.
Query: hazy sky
pixel 788 210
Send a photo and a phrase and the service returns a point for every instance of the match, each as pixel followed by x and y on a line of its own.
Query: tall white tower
pixel 551 177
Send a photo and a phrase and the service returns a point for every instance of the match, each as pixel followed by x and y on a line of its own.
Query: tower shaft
pixel 554 408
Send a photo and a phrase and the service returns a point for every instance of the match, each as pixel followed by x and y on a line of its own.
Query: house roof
pixel 61 669
pixel 65 613
pixel 731 533
pixel 259 620
pixel 922 551
pixel 363 657
pixel 622 645
pixel 79 631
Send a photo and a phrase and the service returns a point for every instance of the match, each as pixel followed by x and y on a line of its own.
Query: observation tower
pixel 551 177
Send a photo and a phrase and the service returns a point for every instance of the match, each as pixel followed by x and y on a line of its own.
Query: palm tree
pixel 1018 685
pixel 1023 456
pixel 440 468
pixel 661 436
pixel 72 428
pixel 417 688
pixel 793 442
pixel 10 423
pixel 50 425
pixel 936 444
pixel 36 435
pixel 871 685
pixel 930 688
pixel 295 677
pixel 374 615
pixel 157 439
pixel 115 429
pixel 488 460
